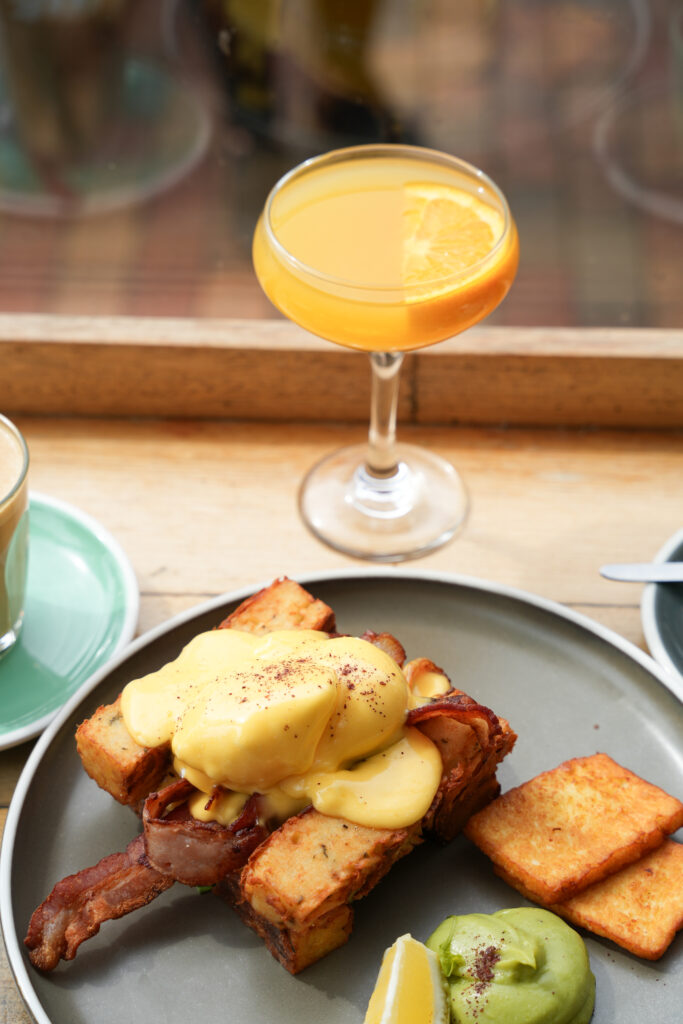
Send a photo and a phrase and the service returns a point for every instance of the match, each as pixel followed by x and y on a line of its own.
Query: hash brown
pixel 572 826
pixel 640 907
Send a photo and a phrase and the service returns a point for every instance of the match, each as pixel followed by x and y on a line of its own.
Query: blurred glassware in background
pixel 87 124
pixel 649 176
pixel 572 106
pixel 676 36
pixel 64 65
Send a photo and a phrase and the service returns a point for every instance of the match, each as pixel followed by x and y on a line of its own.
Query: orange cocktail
pixel 378 253
pixel 385 248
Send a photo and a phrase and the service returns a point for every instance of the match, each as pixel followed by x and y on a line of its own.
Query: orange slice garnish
pixel 446 231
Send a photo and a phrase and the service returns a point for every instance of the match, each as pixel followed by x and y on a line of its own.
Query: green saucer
pixel 81 609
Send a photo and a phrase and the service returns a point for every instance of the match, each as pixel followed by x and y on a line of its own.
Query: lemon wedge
pixel 445 232
pixel 409 987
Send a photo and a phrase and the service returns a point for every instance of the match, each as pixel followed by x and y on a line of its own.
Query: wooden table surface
pixel 206 506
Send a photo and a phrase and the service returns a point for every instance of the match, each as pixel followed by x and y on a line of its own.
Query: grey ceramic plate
pixel 569 688
pixel 662 614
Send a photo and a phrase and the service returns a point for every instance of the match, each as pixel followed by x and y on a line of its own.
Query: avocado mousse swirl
pixel 520 966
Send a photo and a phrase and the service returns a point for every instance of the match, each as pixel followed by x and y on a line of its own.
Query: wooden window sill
pixel 270 369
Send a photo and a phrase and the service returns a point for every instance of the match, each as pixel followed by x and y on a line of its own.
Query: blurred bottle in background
pixel 305 73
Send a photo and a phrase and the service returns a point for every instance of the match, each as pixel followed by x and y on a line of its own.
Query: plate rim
pixel 647 612
pixel 33 728
pixel 13 949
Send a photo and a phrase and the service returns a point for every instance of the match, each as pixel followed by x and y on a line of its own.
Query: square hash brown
pixel 572 826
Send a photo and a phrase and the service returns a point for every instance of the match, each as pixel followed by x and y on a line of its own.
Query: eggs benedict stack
pixel 298 766
pixel 298 717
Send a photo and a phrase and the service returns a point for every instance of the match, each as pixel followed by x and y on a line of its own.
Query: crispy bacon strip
pixel 462 729
pixel 387 643
pixel 196 852
pixel 80 903
pixel 472 741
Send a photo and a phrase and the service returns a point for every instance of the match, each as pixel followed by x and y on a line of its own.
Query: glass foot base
pixel 389 519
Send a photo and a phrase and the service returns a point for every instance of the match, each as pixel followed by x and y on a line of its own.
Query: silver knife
pixel 644 572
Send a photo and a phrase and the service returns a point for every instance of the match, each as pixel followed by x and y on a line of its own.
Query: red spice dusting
pixel 481 969
pixel 485 959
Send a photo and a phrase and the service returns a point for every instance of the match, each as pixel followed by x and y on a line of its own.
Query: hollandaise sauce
pixel 296 716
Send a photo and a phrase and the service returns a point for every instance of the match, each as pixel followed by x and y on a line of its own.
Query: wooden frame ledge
pixel 270 369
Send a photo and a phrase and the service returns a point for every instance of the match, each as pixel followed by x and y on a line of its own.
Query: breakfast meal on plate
pixel 522 965
pixel 588 840
pixel 282 764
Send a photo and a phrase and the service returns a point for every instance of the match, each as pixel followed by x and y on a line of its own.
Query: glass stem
pixel 381 459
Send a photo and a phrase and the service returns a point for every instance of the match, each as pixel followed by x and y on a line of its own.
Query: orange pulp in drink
pixel 386 253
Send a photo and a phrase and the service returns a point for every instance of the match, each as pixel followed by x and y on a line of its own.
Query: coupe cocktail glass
pixel 385 248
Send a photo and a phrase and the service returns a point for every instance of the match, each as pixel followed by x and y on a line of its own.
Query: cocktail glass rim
pixel 384 149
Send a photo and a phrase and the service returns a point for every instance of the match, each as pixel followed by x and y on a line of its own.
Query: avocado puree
pixel 520 966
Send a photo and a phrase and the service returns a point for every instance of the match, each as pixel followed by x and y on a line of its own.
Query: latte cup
pixel 13 532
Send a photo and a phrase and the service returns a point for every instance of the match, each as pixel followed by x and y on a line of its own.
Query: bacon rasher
pixel 80 903
pixel 472 740
pixel 173 848
pixel 197 852
pixel 462 729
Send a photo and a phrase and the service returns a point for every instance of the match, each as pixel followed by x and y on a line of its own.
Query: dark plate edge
pixel 671 550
